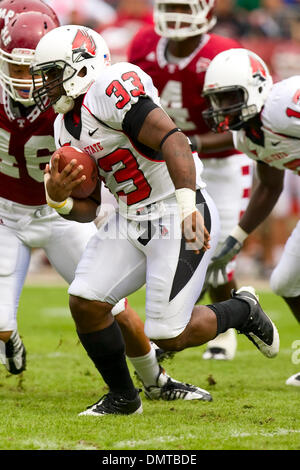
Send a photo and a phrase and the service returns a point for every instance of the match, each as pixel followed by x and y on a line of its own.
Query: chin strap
pixel 64 104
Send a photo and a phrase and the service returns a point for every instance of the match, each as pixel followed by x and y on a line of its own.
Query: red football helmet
pixel 9 8
pixel 18 41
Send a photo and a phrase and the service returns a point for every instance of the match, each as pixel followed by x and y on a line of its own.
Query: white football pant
pixel 124 255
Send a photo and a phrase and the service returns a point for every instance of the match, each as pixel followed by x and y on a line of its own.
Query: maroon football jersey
pixel 180 85
pixel 26 144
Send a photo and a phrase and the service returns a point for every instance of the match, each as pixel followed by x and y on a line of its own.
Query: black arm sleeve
pixel 135 117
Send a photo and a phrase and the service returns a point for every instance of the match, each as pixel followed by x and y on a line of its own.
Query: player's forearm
pixel 260 206
pixel 180 162
pixel 212 142
pixel 83 210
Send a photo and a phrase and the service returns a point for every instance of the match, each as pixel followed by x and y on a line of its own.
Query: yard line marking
pixel 52 355
pixel 52 445
pixel 156 440
pixel 278 432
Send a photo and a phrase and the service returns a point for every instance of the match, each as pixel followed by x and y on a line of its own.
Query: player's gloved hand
pixel 230 248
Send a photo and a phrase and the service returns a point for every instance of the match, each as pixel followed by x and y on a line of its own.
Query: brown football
pixel 68 153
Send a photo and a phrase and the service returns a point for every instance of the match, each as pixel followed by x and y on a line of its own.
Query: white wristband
pixel 186 199
pixel 62 207
pixel 239 234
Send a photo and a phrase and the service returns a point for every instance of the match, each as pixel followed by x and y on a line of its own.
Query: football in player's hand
pixel 68 153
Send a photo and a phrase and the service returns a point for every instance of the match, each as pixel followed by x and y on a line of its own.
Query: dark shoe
pixel 258 328
pixel 112 404
pixel 15 354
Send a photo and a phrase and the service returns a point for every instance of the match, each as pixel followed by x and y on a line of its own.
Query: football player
pixel 166 229
pixel 176 53
pixel 26 221
pixel 265 124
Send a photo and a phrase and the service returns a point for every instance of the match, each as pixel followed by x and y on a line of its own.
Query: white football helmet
pixel 68 58
pixel 237 84
pixel 180 19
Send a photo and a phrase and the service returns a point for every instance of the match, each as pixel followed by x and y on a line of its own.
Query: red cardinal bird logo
pixel 258 69
pixel 83 46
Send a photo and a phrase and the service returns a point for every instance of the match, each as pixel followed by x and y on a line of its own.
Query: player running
pixel 167 226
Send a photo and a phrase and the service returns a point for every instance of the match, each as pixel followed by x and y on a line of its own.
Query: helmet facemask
pixel 19 89
pixel 229 109
pixel 48 82
pixel 195 18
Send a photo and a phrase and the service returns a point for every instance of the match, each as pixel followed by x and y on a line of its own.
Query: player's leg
pixel 285 281
pixel 71 238
pixel 110 265
pixel 229 182
pixel 157 384
pixel 14 264
pixel 242 312
pixel 174 277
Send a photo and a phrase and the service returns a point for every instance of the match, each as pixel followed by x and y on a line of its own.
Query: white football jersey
pixel 135 174
pixel 281 128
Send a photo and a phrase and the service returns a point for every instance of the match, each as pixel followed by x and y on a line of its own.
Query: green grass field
pixel 252 407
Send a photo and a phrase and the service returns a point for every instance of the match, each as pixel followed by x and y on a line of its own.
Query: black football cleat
pixel 258 328
pixel 112 404
pixel 15 354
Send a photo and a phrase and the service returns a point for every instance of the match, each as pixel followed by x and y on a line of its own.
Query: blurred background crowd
pixel 271 28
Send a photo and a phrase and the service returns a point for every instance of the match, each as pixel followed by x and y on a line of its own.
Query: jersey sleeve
pixel 116 91
pixel 239 141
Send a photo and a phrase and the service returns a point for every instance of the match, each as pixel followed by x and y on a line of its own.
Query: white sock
pixel 146 367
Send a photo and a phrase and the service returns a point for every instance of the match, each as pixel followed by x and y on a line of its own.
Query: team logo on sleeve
pixel 83 46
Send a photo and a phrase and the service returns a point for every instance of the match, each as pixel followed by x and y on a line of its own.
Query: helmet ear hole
pixel 82 72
